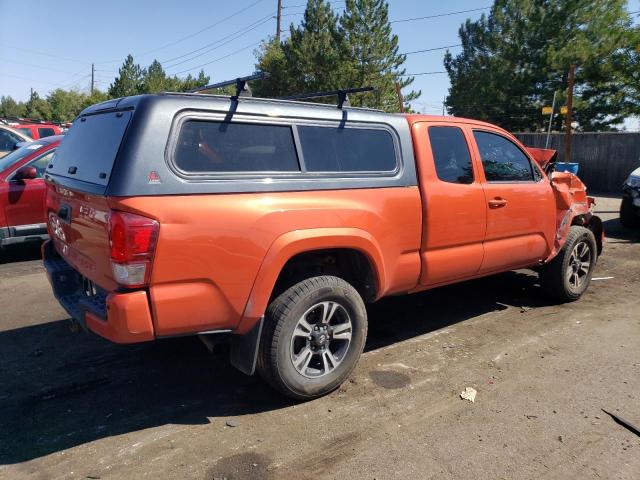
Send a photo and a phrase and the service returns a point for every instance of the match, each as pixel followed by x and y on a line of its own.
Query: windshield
pixel 19 154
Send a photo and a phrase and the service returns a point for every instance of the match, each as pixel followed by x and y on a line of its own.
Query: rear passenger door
pixel 520 205
pixel 453 204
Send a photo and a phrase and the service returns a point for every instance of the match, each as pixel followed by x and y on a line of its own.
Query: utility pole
pixel 278 20
pixel 567 120
pixel 400 98
pixel 444 101
pixel 553 109
pixel 92 77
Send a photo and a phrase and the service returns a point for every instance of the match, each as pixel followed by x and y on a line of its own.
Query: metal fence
pixel 605 158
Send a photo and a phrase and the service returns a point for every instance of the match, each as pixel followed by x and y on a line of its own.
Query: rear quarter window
pixel 336 149
pixel 224 147
pixel 451 155
pixel 46 132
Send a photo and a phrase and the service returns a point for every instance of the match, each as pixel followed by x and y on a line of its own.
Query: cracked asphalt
pixel 73 406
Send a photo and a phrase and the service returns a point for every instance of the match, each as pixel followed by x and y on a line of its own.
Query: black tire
pixel 557 278
pixel 281 340
pixel 629 214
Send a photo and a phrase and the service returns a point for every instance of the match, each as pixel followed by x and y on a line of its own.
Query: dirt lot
pixel 75 406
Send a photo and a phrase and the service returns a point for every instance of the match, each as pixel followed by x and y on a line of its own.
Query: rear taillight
pixel 132 239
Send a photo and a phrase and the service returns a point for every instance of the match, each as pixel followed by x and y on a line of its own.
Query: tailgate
pixel 78 226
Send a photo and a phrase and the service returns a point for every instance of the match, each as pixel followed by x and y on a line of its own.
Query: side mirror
pixel 26 173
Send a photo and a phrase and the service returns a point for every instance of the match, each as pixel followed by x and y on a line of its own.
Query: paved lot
pixel 75 406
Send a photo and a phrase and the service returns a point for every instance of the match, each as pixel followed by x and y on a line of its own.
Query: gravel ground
pixel 76 407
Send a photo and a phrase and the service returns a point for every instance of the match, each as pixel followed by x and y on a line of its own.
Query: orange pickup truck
pixel 272 223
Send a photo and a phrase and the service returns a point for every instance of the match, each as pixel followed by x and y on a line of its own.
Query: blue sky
pixel 46 44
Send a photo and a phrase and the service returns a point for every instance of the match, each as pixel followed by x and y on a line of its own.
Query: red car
pixel 22 190
pixel 39 130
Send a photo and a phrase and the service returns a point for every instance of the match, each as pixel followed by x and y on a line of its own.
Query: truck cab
pixel 272 223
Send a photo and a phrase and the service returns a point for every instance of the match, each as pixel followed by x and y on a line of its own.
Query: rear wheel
pixel 568 275
pixel 313 337
pixel 629 214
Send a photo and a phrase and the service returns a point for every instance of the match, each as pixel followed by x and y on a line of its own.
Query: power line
pixel 36 66
pixel 229 38
pixel 412 19
pixel 432 49
pixel 218 59
pixel 46 54
pixel 421 73
pixel 180 40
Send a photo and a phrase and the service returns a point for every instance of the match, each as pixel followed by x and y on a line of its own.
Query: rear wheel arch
pixel 593 223
pixel 315 245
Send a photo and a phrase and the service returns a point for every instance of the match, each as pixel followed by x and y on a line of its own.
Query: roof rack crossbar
pixel 241 83
pixel 342 94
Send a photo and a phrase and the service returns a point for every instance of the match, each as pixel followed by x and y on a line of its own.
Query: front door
pixel 24 199
pixel 453 204
pixel 520 205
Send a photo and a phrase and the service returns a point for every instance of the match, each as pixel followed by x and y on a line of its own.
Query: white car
pixel 9 138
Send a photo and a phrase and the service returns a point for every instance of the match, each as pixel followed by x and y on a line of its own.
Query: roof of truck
pixel 413 118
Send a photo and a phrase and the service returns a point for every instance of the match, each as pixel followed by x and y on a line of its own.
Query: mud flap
pixel 244 349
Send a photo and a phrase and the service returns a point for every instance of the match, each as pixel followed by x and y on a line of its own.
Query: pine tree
pixel 370 54
pixel 155 79
pixel 38 107
pixel 516 58
pixel 129 80
pixel 309 60
pixel 188 83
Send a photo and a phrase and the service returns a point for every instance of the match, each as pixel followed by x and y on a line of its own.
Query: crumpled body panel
pixel 573 206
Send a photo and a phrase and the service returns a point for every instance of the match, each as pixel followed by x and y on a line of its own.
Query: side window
pixel 217 147
pixel 451 155
pixel 26 131
pixel 46 132
pixel 333 149
pixel 40 163
pixel 7 141
pixel 502 160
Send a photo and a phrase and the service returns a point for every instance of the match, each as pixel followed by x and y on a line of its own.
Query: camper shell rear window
pixel 88 150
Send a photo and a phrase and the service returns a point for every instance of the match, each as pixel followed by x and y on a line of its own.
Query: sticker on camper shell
pixel 154 177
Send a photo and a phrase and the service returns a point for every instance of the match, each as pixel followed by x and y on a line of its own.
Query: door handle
pixel 497 203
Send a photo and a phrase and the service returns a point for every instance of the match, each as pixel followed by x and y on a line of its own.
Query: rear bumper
pixel 122 317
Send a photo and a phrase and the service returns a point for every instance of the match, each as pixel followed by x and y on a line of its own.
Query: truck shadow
pixel 616 233
pixel 60 390
pixel 21 253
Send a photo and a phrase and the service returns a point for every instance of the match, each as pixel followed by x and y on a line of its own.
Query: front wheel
pixel 568 275
pixel 313 337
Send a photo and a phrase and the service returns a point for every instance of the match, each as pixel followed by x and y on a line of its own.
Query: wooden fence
pixel 605 158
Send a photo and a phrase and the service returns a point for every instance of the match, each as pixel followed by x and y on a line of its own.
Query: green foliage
pixel 129 80
pixel 516 58
pixel 10 108
pixel 38 107
pixel 328 52
pixel 309 60
pixel 64 105
pixel 155 79
pixel 373 55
